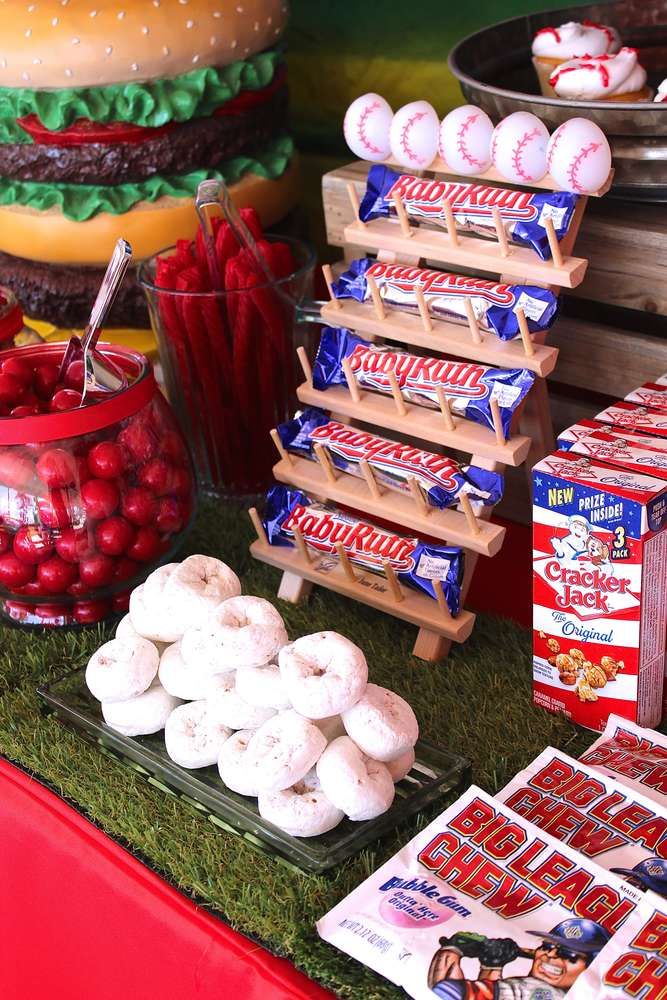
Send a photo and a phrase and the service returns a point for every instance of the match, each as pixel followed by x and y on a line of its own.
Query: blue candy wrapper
pixel 494 303
pixel 416 563
pixel 441 479
pixel 523 213
pixel 469 387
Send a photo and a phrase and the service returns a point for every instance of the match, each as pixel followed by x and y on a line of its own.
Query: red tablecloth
pixel 82 919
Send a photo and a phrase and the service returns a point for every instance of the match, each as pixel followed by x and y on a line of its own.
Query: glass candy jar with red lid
pixel 92 497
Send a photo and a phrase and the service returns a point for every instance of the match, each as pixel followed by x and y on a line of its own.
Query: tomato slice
pixel 85 131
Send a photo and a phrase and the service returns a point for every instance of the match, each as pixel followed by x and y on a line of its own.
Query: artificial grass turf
pixel 476 703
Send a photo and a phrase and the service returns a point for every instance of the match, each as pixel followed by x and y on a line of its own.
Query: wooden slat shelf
pixel 445 337
pixel 427 425
pixel 369 588
pixel 381 235
pixel 399 508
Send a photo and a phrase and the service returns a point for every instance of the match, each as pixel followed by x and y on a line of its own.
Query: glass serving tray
pixel 435 774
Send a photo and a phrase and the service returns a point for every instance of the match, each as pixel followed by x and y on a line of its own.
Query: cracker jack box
pixel 634 756
pixel 650 394
pixel 621 829
pixel 599 590
pixel 481 905
pixel 634 963
pixel 632 451
pixel 588 431
pixel 636 417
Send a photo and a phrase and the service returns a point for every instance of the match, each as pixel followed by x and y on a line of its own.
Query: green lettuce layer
pixel 82 201
pixel 192 95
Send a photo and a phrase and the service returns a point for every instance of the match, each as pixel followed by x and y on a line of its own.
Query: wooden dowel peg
pixel 301 545
pixel 354 202
pixel 328 277
pixel 469 513
pixel 257 525
pixel 472 321
pixel 393 581
pixel 450 222
pixel 422 305
pixel 443 403
pixel 524 332
pixel 345 562
pixel 501 235
pixel 305 364
pixel 396 393
pixel 351 380
pixel 497 422
pixel 371 481
pixel 378 304
pixel 406 228
pixel 418 496
pixel 440 598
pixel 554 245
pixel 280 447
pixel 322 456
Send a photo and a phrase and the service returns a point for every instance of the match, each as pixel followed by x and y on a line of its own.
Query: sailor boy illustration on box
pixel 581 544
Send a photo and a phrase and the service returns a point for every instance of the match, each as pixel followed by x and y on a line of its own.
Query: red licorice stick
pixel 165 277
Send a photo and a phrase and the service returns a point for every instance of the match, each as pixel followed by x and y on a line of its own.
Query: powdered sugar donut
pixel 126 630
pixel 122 669
pixel 150 620
pixel 228 707
pixel 232 764
pixel 242 631
pixel 357 784
pixel 180 680
pixel 154 583
pixel 143 715
pixel 382 724
pixel 283 750
pixel 324 674
pixel 196 587
pixel 332 727
pixel 303 810
pixel 401 766
pixel 192 737
pixel 263 687
pixel 366 127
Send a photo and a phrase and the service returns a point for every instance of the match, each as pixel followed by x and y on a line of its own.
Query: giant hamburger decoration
pixel 111 112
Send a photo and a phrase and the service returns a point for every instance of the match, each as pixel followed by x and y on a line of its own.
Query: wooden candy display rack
pixel 401 242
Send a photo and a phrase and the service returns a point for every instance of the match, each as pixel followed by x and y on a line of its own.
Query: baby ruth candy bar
pixel 394 463
pixel 322 526
pixel 469 387
pixel 523 213
pixel 494 303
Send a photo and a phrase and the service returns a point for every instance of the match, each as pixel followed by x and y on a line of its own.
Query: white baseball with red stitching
pixel 366 127
pixel 519 148
pixel 465 140
pixel 413 135
pixel 578 156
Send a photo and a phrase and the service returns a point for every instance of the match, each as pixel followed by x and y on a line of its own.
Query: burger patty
pixel 64 295
pixel 200 144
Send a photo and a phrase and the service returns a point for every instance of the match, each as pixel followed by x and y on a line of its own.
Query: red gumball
pixel 16 469
pixel 157 476
pixel 64 399
pixel 45 379
pixel 96 571
pixel 13 572
pixel 100 498
pixel 33 589
pixel 146 545
pixel 5 541
pixel 139 505
pixel 33 544
pixel 74 376
pixel 18 369
pixel 172 448
pixel 89 612
pixel 113 535
pixel 74 544
pixel 11 390
pixel 57 467
pixel 169 517
pixel 106 460
pixel 56 575
pixel 140 441
pixel 125 569
pixel 25 411
pixel 78 589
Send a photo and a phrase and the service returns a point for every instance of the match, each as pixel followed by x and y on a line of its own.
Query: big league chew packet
pixel 482 905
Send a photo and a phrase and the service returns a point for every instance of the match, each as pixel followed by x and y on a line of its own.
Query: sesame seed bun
pixel 52 44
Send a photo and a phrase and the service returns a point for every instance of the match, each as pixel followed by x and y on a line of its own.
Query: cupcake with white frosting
pixel 554 46
pixel 618 77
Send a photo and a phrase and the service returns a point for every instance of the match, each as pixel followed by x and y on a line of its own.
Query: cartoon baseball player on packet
pixel 563 954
